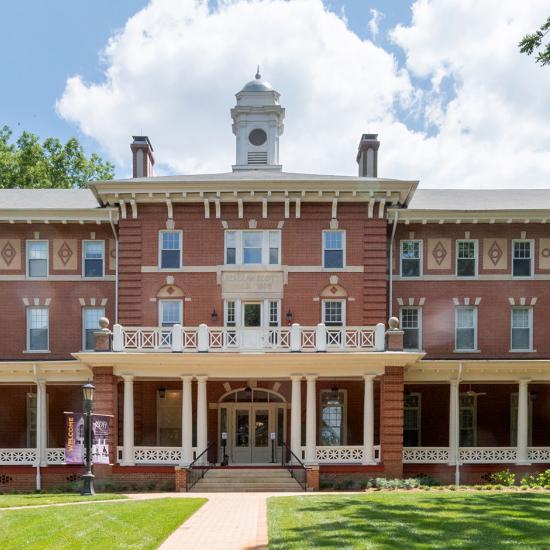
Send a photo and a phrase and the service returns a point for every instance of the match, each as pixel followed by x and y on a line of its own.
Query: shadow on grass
pixel 411 521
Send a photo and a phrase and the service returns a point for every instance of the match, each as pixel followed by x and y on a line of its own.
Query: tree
pixel 531 42
pixel 27 163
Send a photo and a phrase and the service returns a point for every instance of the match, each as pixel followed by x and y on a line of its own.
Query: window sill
pixel 35 351
pixel 522 351
pixel 93 278
pixel 466 351
pixel 29 278
pixel 334 268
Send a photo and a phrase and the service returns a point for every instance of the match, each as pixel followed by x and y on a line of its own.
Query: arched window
pixel 252 395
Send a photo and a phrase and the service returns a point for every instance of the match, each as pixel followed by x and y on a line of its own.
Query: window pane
pixel 230 321
pixel 231 256
pixel 38 268
pixel 522 259
pixel 231 239
pixel 273 256
pixel 170 313
pixel 410 268
pixel 92 315
pixel 170 259
pixel 333 239
pixel 252 255
pixel 38 328
pixel 521 338
pixel 465 339
pixel 38 250
pixel 333 313
pixel 410 258
pixel 332 417
pixel 410 250
pixel 334 258
pixel 93 268
pixel 171 240
pixel 93 250
pixel 465 318
pixel 274 239
pixel 252 239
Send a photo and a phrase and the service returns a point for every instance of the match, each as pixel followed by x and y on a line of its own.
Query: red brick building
pixel 251 308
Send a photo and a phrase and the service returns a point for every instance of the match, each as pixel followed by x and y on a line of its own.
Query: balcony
pixel 295 338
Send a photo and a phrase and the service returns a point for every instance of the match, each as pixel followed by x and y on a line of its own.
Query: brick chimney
pixel 142 157
pixel 367 156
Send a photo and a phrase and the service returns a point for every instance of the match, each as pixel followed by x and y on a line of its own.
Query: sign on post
pixel 74 440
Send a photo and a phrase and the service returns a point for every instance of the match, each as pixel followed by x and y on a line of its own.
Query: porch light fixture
pixel 289 316
pixel 88 476
pixel 214 315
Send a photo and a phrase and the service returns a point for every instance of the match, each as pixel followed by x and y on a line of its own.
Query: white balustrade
pixel 224 339
pixel 473 455
pixel 55 456
pixel 342 454
pixel 425 455
pixel 167 456
pixel 18 456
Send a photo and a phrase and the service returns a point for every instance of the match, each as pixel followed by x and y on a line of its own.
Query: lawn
pixel 410 520
pixel 9 501
pixel 108 525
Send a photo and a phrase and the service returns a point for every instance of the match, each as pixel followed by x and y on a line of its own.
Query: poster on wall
pixel 74 440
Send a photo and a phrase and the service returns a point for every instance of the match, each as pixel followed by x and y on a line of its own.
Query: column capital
pixel 296 377
pixel 40 381
pixel 127 377
pixel 202 378
pixel 369 377
pixel 312 377
pixel 454 382
pixel 524 381
pixel 187 377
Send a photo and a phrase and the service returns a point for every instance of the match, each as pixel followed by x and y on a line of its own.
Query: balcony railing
pixel 341 454
pixel 166 456
pixel 230 339
pixel 473 455
pixel 29 456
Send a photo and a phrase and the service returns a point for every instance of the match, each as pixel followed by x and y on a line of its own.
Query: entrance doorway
pixel 254 422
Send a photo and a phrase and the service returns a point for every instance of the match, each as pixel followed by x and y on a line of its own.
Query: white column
pixel 453 422
pixel 296 417
pixel 522 456
pixel 186 423
pixel 368 421
pixel 202 415
pixel 311 420
pixel 128 422
pixel 41 423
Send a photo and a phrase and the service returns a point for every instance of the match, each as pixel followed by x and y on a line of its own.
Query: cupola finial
pixel 258 75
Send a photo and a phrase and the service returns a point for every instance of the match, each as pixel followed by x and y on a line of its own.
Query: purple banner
pixel 75 444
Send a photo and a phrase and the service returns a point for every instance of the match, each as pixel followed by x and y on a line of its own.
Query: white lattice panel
pixel 189 340
pixel 307 338
pixel 157 455
pixel 539 454
pixel 18 456
pixel 55 456
pixel 487 455
pixel 424 455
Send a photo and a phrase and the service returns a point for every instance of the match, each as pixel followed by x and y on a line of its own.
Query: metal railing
pixel 294 466
pixel 199 467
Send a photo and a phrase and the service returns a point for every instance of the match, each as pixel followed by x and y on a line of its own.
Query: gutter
pixel 391 263
pixel 116 264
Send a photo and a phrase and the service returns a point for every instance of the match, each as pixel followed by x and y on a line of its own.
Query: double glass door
pixel 255 432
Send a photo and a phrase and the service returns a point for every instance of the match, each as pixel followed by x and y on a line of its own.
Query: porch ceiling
pixel 248 365
pixel 12 372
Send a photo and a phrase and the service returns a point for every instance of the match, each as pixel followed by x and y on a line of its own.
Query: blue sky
pixel 42 56
pixel 442 82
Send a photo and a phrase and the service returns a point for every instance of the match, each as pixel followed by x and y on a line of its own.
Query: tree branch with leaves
pixel 532 43
pixel 27 163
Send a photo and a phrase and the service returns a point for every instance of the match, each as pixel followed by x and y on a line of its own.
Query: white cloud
pixel 374 22
pixel 172 71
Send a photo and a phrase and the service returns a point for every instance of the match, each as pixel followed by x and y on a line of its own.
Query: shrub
pixel 366 483
pixel 425 479
pixel 536 480
pixel 325 484
pixel 343 484
pixel 504 477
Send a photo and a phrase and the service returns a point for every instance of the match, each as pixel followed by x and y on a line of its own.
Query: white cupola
pixel 257 125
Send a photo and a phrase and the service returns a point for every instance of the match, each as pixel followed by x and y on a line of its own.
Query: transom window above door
pixel 252 247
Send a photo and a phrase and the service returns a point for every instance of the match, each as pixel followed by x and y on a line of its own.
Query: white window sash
pixel 47 259
pixel 84 258
pixel 420 258
pixel 323 311
pixel 474 327
pixel 342 232
pixel 529 327
pixel 475 258
pixel 161 310
pixel 85 328
pixel 531 258
pixel 418 309
pixel 264 246
pixel 29 315
pixel 161 248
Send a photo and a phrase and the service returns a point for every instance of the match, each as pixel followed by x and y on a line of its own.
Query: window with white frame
pixel 467 420
pixel 254 247
pixel 411 258
pixel 334 313
pixel 37 329
pixel 466 258
pixel 332 413
pixel 522 258
pixel 170 249
pixel 334 243
pixel 230 314
pixel 93 253
pixel 274 313
pixel 514 420
pixel 522 329
pixel 411 420
pixel 37 259
pixel 411 326
pixel 170 312
pixel 90 323
pixel 466 329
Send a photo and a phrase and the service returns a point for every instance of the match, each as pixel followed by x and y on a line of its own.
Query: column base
pixel 522 463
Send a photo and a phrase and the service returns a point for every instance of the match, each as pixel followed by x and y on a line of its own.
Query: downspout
pixel 38 485
pixel 391 263
pixel 457 428
pixel 116 264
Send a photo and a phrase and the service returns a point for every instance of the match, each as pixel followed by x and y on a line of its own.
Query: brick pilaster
pixel 312 478
pixel 129 272
pixel 105 402
pixel 391 420
pixel 181 479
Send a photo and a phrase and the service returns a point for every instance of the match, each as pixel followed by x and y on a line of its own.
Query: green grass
pixel 410 521
pixel 101 526
pixel 9 501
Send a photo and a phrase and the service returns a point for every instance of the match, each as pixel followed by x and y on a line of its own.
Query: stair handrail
pixel 197 470
pixel 292 466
